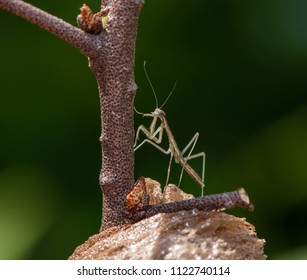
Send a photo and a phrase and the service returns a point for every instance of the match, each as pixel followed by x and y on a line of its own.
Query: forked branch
pixel 53 24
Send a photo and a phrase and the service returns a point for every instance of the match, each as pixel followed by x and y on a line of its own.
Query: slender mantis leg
pixel 154 137
pixel 153 140
pixel 150 134
pixel 193 142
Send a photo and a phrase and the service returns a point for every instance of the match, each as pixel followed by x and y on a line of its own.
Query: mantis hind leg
pixel 192 143
pixel 169 169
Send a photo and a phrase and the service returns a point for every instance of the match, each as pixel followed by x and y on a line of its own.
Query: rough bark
pixel 114 71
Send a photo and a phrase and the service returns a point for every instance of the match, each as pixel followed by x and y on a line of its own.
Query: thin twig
pixel 214 202
pixel 53 24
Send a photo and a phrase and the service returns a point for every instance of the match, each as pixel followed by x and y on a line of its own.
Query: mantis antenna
pixel 152 88
pixel 154 92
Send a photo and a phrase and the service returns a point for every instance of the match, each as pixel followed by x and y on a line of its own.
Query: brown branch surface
pixel 227 200
pixel 145 190
pixel 53 24
pixel 114 70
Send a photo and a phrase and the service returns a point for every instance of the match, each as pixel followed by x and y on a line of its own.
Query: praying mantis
pixel 154 137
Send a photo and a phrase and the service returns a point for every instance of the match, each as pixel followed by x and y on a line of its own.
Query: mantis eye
pixel 159 112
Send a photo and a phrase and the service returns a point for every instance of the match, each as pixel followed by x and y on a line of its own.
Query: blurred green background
pixel 241 72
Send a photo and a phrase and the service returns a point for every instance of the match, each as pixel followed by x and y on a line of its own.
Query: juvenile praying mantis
pixel 154 137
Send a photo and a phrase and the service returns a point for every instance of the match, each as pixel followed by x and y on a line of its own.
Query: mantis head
pixel 157 113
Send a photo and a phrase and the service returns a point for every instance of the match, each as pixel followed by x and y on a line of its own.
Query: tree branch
pixel 227 200
pixel 138 208
pixel 117 89
pixel 55 25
